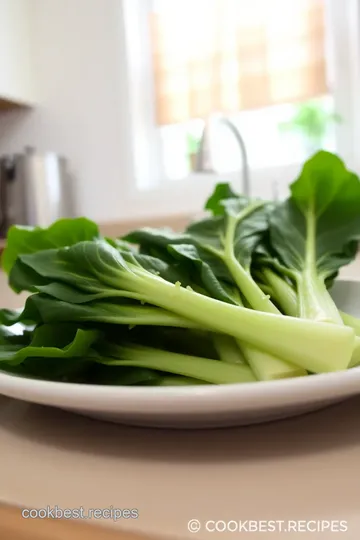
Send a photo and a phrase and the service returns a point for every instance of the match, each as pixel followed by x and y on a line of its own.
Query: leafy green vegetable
pixel 64 232
pixel 94 266
pixel 315 232
pixel 239 296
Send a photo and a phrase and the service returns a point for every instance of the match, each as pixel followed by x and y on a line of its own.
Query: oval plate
pixel 200 406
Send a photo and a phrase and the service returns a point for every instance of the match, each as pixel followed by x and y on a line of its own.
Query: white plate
pixel 201 406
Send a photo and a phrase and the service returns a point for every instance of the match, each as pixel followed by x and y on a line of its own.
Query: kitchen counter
pixel 305 468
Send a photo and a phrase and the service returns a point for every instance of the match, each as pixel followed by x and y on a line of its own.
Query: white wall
pixel 78 47
pixel 15 57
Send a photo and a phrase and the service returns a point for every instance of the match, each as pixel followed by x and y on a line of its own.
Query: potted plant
pixel 312 121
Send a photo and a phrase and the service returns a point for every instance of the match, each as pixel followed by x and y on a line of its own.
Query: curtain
pixel 224 56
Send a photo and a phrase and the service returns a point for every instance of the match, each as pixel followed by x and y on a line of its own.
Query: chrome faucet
pixel 202 156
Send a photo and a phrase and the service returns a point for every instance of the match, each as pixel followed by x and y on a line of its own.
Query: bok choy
pixel 239 296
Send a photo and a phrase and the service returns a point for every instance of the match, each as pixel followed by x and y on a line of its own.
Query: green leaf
pixel 67 293
pixel 148 236
pixel 202 273
pixel 215 201
pixel 170 269
pixel 191 264
pixel 52 310
pixel 74 370
pixel 18 323
pixel 121 245
pixel 316 231
pixel 64 232
pixel 8 317
pixel 72 266
pixel 66 274
pixel 20 335
pixel 23 278
pixel 163 243
pixel 51 341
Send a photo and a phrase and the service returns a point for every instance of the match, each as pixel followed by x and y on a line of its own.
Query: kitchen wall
pixel 79 61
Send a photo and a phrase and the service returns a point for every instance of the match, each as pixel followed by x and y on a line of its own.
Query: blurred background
pixel 129 111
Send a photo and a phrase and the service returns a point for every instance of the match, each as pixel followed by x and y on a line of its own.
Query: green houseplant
pixel 311 120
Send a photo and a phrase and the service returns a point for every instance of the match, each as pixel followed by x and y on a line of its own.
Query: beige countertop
pixel 304 468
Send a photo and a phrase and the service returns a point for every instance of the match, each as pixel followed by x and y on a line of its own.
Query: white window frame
pixel 148 193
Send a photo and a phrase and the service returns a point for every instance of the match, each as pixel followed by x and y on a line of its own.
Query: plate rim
pixel 260 391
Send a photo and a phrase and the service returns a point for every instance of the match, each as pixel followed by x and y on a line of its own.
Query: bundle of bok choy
pixel 240 296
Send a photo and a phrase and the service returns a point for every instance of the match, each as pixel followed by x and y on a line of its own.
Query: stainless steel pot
pixel 37 189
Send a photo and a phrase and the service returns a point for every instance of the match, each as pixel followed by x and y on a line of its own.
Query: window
pixel 284 73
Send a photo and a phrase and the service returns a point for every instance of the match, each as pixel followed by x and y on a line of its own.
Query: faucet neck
pixel 203 159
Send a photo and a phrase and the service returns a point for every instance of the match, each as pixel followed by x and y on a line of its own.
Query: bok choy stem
pixel 282 292
pixel 267 367
pixel 315 301
pixel 243 279
pixel 313 346
pixel 204 369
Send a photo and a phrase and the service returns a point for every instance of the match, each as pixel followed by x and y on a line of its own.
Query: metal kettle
pixel 38 188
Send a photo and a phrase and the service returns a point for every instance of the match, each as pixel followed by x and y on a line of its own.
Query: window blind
pixel 212 56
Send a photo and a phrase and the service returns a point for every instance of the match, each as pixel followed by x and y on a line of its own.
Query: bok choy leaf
pixel 316 231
